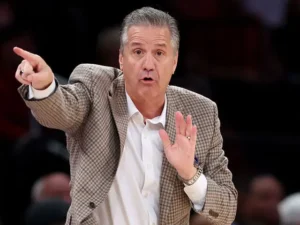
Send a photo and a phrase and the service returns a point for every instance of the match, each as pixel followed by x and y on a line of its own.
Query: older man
pixel 135 155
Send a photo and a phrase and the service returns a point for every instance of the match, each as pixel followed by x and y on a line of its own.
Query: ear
pixel 175 62
pixel 121 60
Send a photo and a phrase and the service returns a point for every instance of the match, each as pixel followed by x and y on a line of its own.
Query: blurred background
pixel 242 54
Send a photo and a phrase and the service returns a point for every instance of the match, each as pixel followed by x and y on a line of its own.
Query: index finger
pixel 30 57
pixel 165 139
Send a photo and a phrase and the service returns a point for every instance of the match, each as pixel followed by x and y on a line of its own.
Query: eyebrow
pixel 135 44
pixel 161 45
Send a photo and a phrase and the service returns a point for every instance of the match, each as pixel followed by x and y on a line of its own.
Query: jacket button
pixel 213 213
pixel 92 205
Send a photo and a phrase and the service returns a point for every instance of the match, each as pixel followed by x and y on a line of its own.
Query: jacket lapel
pixel 169 173
pixel 118 104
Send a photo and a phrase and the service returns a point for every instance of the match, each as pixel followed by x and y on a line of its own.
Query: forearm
pixel 221 202
pixel 63 107
pixel 216 202
pixel 221 196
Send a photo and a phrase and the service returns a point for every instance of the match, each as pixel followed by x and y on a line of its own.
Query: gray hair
pixel 150 17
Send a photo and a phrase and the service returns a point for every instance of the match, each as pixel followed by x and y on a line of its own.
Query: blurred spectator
pixel 54 185
pixel 292 36
pixel 47 212
pixel 289 210
pixel 107 50
pixel 34 157
pixel 272 13
pixel 6 15
pixel 260 204
pixel 15 118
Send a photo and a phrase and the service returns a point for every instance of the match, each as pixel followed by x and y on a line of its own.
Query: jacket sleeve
pixel 68 106
pixel 221 197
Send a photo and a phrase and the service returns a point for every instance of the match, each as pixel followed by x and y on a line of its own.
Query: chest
pixel 142 155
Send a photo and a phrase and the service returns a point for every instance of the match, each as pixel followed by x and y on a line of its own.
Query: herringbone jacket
pixel 92 111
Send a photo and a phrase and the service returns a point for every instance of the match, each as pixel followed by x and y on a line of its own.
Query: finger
pixel 194 136
pixel 180 123
pixel 177 123
pixel 165 139
pixel 20 79
pixel 27 69
pixel 33 59
pixel 189 126
pixel 30 77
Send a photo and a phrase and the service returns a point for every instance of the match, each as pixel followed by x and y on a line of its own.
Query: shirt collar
pixel 132 110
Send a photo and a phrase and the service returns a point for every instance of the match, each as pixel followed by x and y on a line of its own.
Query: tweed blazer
pixel 92 110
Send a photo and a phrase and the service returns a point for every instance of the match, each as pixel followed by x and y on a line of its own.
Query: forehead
pixel 149 35
pixel 266 184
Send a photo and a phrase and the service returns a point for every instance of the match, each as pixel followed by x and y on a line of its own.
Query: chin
pixel 148 93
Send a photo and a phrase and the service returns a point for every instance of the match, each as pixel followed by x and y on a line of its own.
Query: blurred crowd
pixel 240 53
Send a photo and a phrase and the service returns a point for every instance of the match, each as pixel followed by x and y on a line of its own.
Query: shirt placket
pixel 146 158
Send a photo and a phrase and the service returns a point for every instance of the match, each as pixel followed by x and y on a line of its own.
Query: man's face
pixel 148 61
pixel 266 193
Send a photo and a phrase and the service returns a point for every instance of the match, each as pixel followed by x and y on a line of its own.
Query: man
pixel 51 211
pixel 53 185
pixel 289 209
pixel 134 157
pixel 260 206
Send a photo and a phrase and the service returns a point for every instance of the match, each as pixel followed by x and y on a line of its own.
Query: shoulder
pixel 190 101
pixel 94 72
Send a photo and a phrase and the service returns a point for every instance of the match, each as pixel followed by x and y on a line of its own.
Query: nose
pixel 149 63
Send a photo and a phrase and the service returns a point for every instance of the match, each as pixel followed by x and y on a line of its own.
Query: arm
pixel 67 106
pixel 221 196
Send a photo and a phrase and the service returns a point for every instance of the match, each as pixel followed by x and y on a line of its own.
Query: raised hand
pixel 33 70
pixel 181 154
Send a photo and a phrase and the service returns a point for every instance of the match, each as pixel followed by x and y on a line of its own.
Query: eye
pixel 138 52
pixel 159 53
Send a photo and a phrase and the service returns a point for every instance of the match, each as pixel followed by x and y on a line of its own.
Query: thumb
pixel 165 139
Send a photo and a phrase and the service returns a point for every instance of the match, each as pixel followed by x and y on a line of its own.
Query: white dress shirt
pixel 134 195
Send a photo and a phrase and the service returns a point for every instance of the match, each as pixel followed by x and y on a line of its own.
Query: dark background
pixel 243 58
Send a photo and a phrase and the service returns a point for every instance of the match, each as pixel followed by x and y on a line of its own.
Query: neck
pixel 149 108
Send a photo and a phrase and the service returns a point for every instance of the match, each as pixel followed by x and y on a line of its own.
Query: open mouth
pixel 147 80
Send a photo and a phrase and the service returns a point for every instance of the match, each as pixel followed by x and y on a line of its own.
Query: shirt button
pixel 145 194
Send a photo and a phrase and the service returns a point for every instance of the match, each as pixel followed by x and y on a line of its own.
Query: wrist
pixel 42 87
pixel 187 174
pixel 193 179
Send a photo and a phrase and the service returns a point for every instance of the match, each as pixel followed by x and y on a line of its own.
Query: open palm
pixel 181 154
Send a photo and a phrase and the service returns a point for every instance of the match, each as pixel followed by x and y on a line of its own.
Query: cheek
pixel 132 64
pixel 131 70
pixel 166 72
